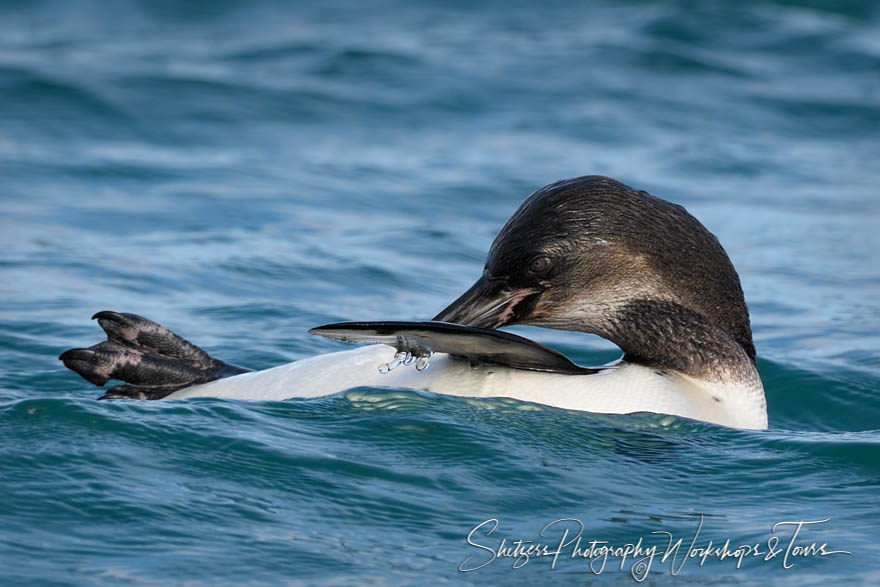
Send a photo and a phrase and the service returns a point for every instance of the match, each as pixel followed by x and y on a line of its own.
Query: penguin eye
pixel 540 265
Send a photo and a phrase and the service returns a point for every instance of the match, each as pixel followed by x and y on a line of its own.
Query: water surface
pixel 243 171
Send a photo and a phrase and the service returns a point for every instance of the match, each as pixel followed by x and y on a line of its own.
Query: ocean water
pixel 243 171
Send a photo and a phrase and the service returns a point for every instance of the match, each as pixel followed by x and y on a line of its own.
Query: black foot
pixel 151 359
pixel 126 391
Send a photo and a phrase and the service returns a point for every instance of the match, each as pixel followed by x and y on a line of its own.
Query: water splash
pixel 393 364
pixel 422 361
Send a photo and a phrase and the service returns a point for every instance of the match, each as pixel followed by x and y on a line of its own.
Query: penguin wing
pixel 479 345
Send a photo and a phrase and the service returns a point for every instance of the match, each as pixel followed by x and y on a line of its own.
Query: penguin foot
pixel 142 392
pixel 151 359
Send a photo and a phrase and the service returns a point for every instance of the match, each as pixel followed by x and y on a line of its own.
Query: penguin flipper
pixel 480 345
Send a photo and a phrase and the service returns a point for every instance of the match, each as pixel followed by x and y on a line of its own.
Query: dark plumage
pixel 595 255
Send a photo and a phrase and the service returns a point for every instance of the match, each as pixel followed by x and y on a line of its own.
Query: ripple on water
pixel 242 173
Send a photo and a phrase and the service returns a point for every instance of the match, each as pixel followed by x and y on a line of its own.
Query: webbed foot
pixel 152 360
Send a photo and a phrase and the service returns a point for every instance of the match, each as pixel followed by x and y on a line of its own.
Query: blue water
pixel 243 171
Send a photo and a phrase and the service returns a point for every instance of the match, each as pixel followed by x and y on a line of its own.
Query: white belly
pixel 621 389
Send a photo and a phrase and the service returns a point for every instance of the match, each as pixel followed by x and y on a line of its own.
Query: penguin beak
pixel 490 303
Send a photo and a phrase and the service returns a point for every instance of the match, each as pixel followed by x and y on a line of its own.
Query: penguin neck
pixel 666 335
